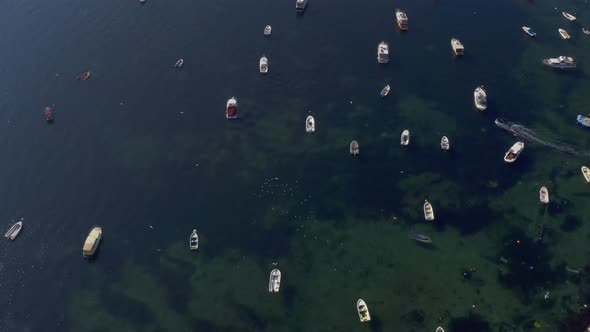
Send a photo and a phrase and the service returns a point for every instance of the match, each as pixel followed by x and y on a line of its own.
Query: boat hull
pixel 193 241
pixel 354 148
pixel 514 152
pixel 586 173
pixel 92 242
pixel 14 231
pixel 363 311
pixel 544 195
pixel 274 281
pixel 310 124
pixel 419 237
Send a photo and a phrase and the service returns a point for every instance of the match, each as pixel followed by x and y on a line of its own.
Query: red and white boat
pixel 231 110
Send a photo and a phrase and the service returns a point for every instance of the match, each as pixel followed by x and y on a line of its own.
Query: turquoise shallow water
pixel 145 151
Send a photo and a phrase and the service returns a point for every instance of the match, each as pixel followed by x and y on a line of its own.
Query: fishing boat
pixel 586 32
pixel 529 31
pixel 48 114
pixel 405 138
pixel 231 108
pixel 363 310
pixel 544 195
pixel 514 152
pixel 402 19
pixel 586 173
pixel 439 329
pixel 263 65
pixel 194 240
pixel 84 76
pixel 383 52
pixel 385 91
pixel 14 231
pixel 310 124
pixel 300 5
pixel 92 241
pixel 568 16
pixel 354 148
pixel 583 121
pixel 267 30
pixel 561 62
pixel 179 63
pixel 428 211
pixel 419 237
pixel 274 282
pixel 445 144
pixel 457 47
pixel 563 34
pixel 480 98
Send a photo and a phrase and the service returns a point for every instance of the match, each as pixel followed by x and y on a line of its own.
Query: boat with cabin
pixel 274 281
pixel 263 65
pixel 92 241
pixel 300 5
pixel 402 19
pixel 514 152
pixel 568 16
pixel 583 121
pixel 439 329
pixel 363 311
pixel 193 240
pixel 383 52
pixel 561 62
pixel 405 138
pixel 563 34
pixel 267 30
pixel 231 108
pixel 428 211
pixel 586 173
pixel 480 98
pixel 529 31
pixel 14 231
pixel 354 148
pixel 84 76
pixel 48 114
pixel 310 124
pixel 179 63
pixel 457 47
pixel 445 144
pixel 385 91
pixel 419 237
pixel 544 195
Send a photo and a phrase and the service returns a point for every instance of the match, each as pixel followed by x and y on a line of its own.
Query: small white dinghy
pixel 445 144
pixel 274 282
pixel 563 34
pixel 514 152
pixel 263 65
pixel 405 138
pixel 568 16
pixel 385 91
pixel 428 211
pixel 194 240
pixel 363 310
pixel 310 124
pixel 179 63
pixel 544 195
pixel 267 30
pixel 439 329
pixel 354 148
pixel 480 98
pixel 529 31
pixel 14 231
pixel 586 173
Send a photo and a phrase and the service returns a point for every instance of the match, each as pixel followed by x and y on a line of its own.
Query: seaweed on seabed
pixel 471 323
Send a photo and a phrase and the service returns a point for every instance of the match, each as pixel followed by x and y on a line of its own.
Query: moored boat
pixel 568 16
pixel 48 114
pixel 385 91
pixel 193 240
pixel 561 62
pixel 310 124
pixel 231 108
pixel 419 237
pixel 480 98
pixel 586 32
pixel 267 30
pixel 14 231
pixel 457 47
pixel 383 52
pixel 445 144
pixel 92 241
pixel 402 19
pixel 274 281
pixel 583 121
pixel 544 195
pixel 300 5
pixel 514 152
pixel 354 148
pixel 179 63
pixel 439 329
pixel 428 211
pixel 405 138
pixel 263 65
pixel 142 1
pixel 564 34
pixel 586 173
pixel 84 76
pixel 529 31
pixel 363 311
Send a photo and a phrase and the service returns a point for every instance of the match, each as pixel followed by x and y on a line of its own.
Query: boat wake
pixel 526 134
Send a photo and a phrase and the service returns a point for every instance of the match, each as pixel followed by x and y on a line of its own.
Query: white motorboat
pixel 194 240
pixel 263 65
pixel 405 138
pixel 385 91
pixel 568 16
pixel 428 211
pixel 457 47
pixel 363 311
pixel 267 30
pixel 310 124
pixel 514 152
pixel 544 195
pixel 231 108
pixel 439 329
pixel 274 282
pixel 142 1
pixel 300 5
pixel 564 34
pixel 529 31
pixel 445 144
pixel 383 52
pixel 586 173
pixel 480 98
pixel 14 231
pixel 179 63
pixel 354 148
pixel 92 241
pixel 561 62
pixel 402 19
pixel 586 32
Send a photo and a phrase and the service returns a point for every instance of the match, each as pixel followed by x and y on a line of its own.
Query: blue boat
pixel 529 31
pixel 583 121
pixel 419 237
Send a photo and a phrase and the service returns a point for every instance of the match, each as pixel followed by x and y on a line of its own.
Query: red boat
pixel 48 114
pixel 231 110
